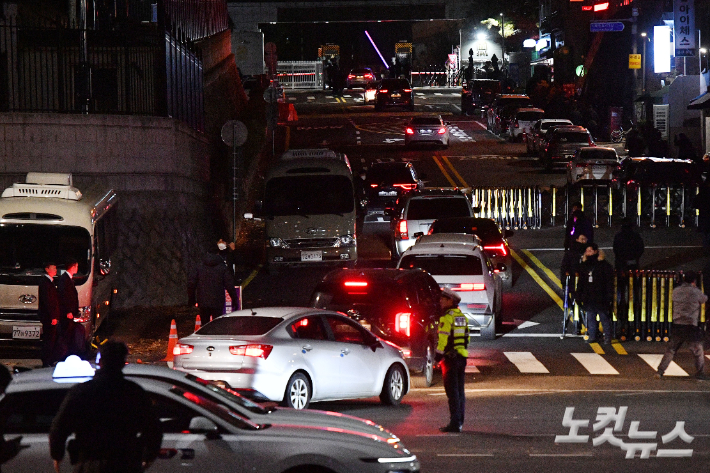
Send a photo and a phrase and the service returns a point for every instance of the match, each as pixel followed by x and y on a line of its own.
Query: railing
pixel 300 74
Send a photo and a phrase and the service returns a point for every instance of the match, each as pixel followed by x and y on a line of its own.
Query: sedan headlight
pixel 345 240
pixel 277 243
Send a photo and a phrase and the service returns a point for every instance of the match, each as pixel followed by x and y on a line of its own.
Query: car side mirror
pixel 202 425
pixel 508 233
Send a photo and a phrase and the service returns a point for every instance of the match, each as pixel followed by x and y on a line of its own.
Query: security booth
pixel 403 60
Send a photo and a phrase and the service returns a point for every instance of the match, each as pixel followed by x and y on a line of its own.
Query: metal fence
pixel 300 74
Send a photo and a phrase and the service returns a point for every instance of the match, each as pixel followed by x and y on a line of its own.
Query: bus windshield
pixel 25 248
pixel 309 195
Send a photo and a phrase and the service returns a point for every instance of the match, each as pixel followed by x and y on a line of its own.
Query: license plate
pixel 387 194
pixel 396 96
pixel 311 256
pixel 30 332
pixel 425 132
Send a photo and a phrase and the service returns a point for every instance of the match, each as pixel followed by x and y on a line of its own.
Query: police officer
pixel 451 351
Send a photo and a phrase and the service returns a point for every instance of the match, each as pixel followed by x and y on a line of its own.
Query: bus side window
pixel 105 242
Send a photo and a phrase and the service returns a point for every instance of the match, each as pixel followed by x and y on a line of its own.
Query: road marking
pixel 597 348
pixel 443 171
pixel 538 279
pixel 464 454
pixel 470 367
pixel 525 362
pixel 539 335
pixel 654 360
pixel 619 348
pixel 480 124
pixel 582 454
pixel 527 324
pixel 595 363
pixel 544 268
pixel 310 97
pixel 454 171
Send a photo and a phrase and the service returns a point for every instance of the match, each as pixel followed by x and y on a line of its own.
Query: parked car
pixel 205 430
pixel 399 306
pixel 359 77
pixel 563 143
pixel 394 92
pixel 459 262
pixel 505 100
pixel 534 137
pixel 294 356
pixel 523 121
pixel 493 240
pixel 384 183
pixel 647 170
pixel 592 163
pixel 478 93
pixel 416 210
pixel 422 130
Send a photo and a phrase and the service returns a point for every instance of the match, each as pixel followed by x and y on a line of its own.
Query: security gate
pixel 300 74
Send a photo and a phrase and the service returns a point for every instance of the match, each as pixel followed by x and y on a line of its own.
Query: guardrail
pixel 642 308
pixel 300 74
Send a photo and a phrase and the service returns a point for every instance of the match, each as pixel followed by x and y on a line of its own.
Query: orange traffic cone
pixel 172 341
pixel 198 323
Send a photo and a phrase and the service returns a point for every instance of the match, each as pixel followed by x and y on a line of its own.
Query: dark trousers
pixel 453 370
pixel 681 334
pixel 592 325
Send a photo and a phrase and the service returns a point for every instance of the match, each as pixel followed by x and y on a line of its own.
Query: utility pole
pixel 502 35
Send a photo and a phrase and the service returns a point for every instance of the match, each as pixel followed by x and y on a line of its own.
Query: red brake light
pixel 405 187
pixel 355 283
pixel 373 185
pixel 402 232
pixel 409 131
pixel 181 349
pixel 476 286
pixel 350 76
pixel 442 130
pixel 254 351
pixel 402 323
pixel 383 91
pixel 406 90
pixel 601 6
pixel 368 76
pixel 500 248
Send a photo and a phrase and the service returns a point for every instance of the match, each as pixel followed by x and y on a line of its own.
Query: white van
pixel 309 211
pixel 47 219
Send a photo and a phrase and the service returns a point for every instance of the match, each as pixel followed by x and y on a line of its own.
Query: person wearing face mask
pixel 595 291
pixel 226 252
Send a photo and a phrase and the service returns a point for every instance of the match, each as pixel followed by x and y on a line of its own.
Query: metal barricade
pixel 300 74
pixel 511 207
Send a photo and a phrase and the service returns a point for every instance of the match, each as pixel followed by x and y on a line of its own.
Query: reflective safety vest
pixel 453 333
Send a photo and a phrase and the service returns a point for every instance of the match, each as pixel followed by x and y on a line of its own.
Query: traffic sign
pixel 606 26
pixel 634 61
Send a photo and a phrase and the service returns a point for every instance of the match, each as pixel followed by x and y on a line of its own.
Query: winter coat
pixel 628 248
pixel 596 283
pixel 206 285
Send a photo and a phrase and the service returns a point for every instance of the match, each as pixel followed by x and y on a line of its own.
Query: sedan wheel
pixel 393 387
pixel 298 392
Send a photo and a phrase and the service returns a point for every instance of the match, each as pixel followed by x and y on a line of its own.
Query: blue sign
pixel 606 26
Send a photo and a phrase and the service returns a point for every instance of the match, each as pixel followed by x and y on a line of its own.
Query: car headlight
pixel 277 243
pixel 345 240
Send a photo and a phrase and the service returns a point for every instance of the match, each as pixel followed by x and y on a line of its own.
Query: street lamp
pixel 643 59
pixel 502 34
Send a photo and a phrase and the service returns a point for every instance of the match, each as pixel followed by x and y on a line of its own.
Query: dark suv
pixel 384 183
pixel 401 306
pixel 563 143
pixel 394 92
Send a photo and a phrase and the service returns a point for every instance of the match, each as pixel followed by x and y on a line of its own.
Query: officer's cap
pixel 450 294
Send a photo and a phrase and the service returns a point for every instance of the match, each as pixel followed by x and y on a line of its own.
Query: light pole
pixel 502 34
pixel 643 65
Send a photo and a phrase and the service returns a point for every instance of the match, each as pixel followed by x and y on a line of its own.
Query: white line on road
pixel 595 363
pixel 654 360
pixel 525 362
pixel 538 335
pixel 464 454
pixel 587 454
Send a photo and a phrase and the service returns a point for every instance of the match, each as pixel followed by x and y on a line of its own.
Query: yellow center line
pixel 597 348
pixel 454 171
pixel 544 268
pixel 443 171
pixel 538 279
pixel 619 348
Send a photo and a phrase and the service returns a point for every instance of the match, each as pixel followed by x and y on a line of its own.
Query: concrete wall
pixel 160 170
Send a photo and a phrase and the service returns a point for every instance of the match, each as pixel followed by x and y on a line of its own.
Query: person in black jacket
pixel 595 291
pixel 115 427
pixel 628 247
pixel 72 332
pixel 8 448
pixel 206 286
pixel 53 345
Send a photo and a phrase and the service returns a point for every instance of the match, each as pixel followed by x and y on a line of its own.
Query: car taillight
pixel 402 232
pixel 181 349
pixel 383 91
pixel 406 187
pixel 368 76
pixel 498 248
pixel 516 123
pixel 254 351
pixel 406 90
pixel 403 323
pixel 476 286
pixel 355 284
pixel 373 185
pixel 409 131
pixel 350 76
pixel 442 130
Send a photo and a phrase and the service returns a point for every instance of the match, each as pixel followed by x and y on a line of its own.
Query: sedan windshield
pixel 309 195
pixel 247 325
pixel 444 265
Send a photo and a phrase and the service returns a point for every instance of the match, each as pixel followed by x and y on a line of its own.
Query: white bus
pixel 47 219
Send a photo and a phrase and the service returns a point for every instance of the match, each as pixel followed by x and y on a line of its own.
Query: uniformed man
pixel 451 351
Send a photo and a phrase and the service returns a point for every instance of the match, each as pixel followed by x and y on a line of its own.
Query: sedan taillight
pixel 476 286
pixel 382 91
pixel 499 249
pixel 403 323
pixel 409 130
pixel 402 232
pixel 442 130
pixel 406 90
pixel 181 349
pixel 254 351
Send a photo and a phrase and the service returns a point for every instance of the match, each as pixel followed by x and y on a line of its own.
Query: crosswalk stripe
pixel 654 360
pixel 525 362
pixel 470 367
pixel 595 363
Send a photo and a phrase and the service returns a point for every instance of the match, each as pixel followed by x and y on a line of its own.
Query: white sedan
pixel 294 356
pixel 458 262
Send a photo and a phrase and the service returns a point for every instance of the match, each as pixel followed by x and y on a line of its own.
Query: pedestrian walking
pixel 207 283
pixel 72 332
pixel 452 353
pixel 8 448
pixel 595 292
pixel 53 344
pixel 112 419
pixel 628 247
pixel 687 300
pixel 572 257
pixel 577 224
